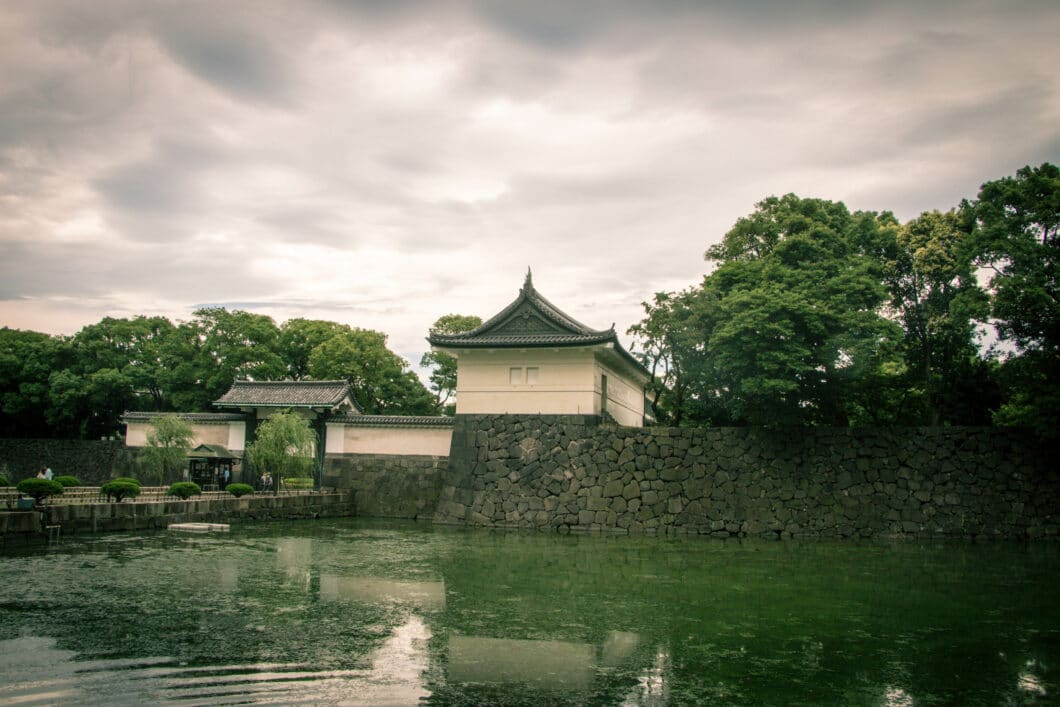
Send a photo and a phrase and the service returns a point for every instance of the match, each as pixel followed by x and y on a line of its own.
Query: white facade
pixel 345 438
pixel 230 434
pixel 547 381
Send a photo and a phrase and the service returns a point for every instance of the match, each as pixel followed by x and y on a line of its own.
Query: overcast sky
pixel 383 163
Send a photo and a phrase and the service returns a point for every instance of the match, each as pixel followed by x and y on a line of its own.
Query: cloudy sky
pixel 382 163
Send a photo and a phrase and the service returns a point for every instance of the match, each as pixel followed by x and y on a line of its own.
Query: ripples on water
pixel 390 613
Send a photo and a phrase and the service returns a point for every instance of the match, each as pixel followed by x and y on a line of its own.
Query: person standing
pixel 47 472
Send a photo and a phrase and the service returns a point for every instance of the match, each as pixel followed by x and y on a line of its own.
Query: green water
pixel 390 613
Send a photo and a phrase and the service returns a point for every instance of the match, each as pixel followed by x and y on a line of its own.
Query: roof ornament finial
pixel 528 284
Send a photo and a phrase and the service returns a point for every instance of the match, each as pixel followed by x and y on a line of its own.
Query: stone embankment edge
pixel 78 519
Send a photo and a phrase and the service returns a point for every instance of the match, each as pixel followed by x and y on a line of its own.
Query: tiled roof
pixel 285 394
pixel 532 321
pixel 392 421
pixel 205 417
pixel 213 451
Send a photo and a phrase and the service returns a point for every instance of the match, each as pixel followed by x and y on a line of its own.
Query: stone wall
pixel 29 526
pixel 577 473
pixel 91 461
pixel 388 486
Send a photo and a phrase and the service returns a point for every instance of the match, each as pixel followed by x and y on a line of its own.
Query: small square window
pixel 515 376
pixel 531 376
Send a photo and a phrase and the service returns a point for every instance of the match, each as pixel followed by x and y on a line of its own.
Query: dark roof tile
pixel 285 394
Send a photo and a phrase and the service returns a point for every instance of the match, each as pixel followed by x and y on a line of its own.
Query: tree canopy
pixel 79 386
pixel 443 375
pixel 816 315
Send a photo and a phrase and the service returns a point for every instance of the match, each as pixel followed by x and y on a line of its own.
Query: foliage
pixel 235 345
pixel 380 379
pixel 935 296
pixel 68 481
pixel 39 489
pixel 238 490
pixel 184 489
pixel 168 441
pixel 443 375
pixel 27 359
pixel 298 484
pixel 793 322
pixel 284 446
pixel 1018 240
pixel 670 339
pixel 4 481
pixel 126 479
pixel 120 489
pixel 298 338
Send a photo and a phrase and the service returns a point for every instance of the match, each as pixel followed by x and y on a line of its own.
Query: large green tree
pixel 298 338
pixel 1018 242
pixel 27 359
pixel 443 365
pixel 380 379
pixel 132 347
pixel 796 324
pixel 935 296
pixel 670 342
pixel 217 347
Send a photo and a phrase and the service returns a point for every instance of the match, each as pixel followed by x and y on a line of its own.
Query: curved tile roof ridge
pixel 528 293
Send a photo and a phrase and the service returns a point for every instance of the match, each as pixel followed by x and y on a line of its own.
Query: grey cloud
pixel 223 51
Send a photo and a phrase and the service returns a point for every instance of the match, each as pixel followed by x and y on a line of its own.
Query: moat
pixel 374 612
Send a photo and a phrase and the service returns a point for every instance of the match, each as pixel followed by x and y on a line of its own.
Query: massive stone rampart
pixel 388 485
pixel 578 473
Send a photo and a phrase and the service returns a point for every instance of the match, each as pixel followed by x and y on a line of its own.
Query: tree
pixel 380 379
pixel 39 489
pixel 443 375
pixel 284 446
pixel 27 359
pixel 230 345
pixel 168 441
pixel 934 294
pixel 671 339
pixel 796 326
pixel 298 338
pixel 133 347
pixel 1018 240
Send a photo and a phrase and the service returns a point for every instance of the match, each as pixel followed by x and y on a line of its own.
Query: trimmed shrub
pixel 184 489
pixel 121 488
pixel 126 479
pixel 68 481
pixel 238 490
pixel 39 489
pixel 297 483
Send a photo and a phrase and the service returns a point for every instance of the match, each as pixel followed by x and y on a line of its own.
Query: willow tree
pixel 284 446
pixel 168 441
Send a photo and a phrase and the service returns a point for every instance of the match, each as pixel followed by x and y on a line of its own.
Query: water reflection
pixel 554 665
pixel 35 671
pixel 353 613
pixel 427 596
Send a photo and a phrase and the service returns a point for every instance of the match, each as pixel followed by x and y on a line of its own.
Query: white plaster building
pixel 531 358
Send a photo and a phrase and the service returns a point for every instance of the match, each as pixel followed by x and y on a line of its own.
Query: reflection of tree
pixel 748 622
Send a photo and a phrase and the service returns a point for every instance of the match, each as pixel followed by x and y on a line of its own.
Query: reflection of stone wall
pixel 571 472
pixel 91 461
pixel 388 486
pixel 140 515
